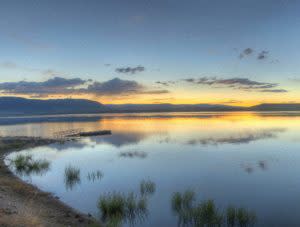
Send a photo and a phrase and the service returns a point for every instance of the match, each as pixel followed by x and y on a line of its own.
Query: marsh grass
pixel 26 165
pixel 147 188
pixel 117 208
pixel 133 154
pixel 245 217
pixel 72 177
pixel 192 213
pixel 96 175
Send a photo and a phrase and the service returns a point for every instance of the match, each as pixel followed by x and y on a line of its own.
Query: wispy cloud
pixel 233 83
pixel 236 83
pixel 246 52
pixel 56 85
pixel 296 80
pixel 263 55
pixel 130 70
pixel 45 72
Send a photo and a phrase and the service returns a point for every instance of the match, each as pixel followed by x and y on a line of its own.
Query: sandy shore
pixel 22 204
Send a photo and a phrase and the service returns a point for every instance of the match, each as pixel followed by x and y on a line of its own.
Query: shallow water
pixel 249 160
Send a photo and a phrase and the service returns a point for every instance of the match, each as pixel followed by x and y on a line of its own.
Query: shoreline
pixel 23 204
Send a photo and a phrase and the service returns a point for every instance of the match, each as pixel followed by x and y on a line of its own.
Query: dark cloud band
pixel 59 85
pixel 130 70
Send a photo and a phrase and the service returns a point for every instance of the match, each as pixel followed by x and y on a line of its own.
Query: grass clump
pixel 72 176
pixel 245 217
pixel 207 214
pixel 26 165
pixel 117 208
pixel 192 213
pixel 96 175
pixel 231 215
pixel 147 188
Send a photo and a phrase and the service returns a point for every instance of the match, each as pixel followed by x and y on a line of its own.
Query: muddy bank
pixel 22 204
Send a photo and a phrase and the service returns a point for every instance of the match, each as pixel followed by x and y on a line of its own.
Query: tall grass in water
pixel 26 165
pixel 183 205
pixel 96 175
pixel 147 188
pixel 117 208
pixel 72 177
pixel 192 213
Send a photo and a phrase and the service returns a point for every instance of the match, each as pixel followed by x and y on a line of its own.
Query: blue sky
pixel 172 40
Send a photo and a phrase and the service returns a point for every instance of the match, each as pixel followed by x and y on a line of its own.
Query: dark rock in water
pixel 95 133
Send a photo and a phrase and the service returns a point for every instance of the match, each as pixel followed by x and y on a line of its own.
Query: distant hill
pixel 21 106
pixel 170 107
pixel 277 107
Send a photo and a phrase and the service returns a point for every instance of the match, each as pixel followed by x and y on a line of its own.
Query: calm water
pixel 248 160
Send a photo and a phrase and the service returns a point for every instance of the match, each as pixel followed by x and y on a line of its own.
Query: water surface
pixel 249 160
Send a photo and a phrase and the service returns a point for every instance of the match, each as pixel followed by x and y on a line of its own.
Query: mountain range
pixel 21 106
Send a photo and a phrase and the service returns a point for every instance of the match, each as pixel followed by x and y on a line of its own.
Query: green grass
pixel 245 217
pixel 205 213
pixel 116 208
pixel 147 188
pixel 26 165
pixel 72 176
pixel 231 215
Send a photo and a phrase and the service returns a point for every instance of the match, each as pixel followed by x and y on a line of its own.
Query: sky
pixel 151 51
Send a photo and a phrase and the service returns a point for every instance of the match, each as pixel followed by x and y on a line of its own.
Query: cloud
pixel 241 138
pixel 130 70
pixel 60 85
pixel 50 72
pixel 297 80
pixel 233 83
pixel 236 83
pixel 8 65
pixel 115 86
pixel 165 83
pixel 275 90
pixel 14 66
pixel 246 52
pixel 56 85
pixel 263 55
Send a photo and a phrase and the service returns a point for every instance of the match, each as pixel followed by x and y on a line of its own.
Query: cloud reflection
pixel 242 138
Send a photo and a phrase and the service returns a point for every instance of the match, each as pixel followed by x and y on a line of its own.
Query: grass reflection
pixel 72 177
pixel 26 165
pixel 147 188
pixel 118 208
pixel 95 175
pixel 192 213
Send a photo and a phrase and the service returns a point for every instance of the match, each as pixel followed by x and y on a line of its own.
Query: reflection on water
pixel 247 159
pixel 192 213
pixel 25 165
pixel 72 177
pixel 117 208
pixel 244 137
pixel 94 176
pixel 133 154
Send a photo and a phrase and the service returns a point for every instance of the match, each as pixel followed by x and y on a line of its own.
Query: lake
pixel 249 160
